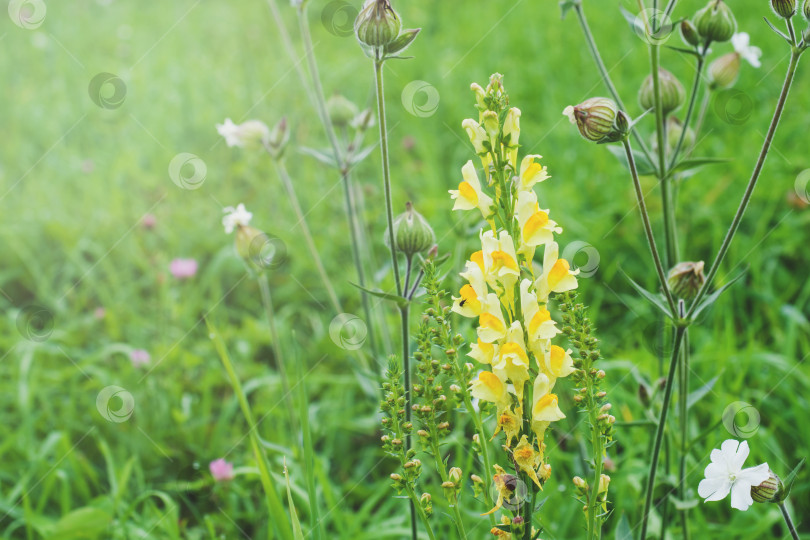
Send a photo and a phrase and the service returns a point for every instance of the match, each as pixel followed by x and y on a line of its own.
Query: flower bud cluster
pixel 397 429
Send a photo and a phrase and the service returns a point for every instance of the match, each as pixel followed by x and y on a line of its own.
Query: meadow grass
pixel 76 180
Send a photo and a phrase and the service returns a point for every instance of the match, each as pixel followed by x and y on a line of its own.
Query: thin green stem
pixel 440 466
pixel 267 303
pixel 645 217
pixel 683 395
pixel 704 108
pixel 274 506
pixel 670 255
pixel 788 521
pixel 752 182
pixel 416 508
pixel 289 48
pixel 406 368
pixel 594 531
pixel 600 64
pixel 281 169
pixel 689 110
pixel 527 507
pixel 389 209
pixel 659 435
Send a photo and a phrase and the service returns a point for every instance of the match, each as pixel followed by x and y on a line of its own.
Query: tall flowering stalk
pixel 510 298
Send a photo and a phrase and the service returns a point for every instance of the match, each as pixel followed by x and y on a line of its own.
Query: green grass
pixel 76 179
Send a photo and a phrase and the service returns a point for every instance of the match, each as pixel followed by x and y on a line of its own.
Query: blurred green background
pixel 77 179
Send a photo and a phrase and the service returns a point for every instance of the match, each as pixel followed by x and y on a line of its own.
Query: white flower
pixel 235 217
pixel 741 43
pixel 247 133
pixel 725 474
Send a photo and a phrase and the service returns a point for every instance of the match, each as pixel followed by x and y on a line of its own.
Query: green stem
pixel 600 64
pixel 406 368
pixel 670 255
pixel 749 190
pixel 289 48
pixel 389 210
pixel 440 466
pixel 281 169
pixel 594 530
pixel 267 302
pixel 416 508
pixel 788 521
pixel 704 108
pixel 527 508
pixel 645 217
pixel 659 435
pixel 274 506
pixel 689 110
pixel 683 395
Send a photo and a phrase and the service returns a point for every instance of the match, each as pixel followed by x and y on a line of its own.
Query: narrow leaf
pixel 691 163
pixel 401 42
pixel 398 300
pixel 700 393
pixel 565 7
pixel 683 50
pixel 652 298
pixel 683 505
pixel 323 157
pixel 712 298
pixel 643 165
pixel 623 530
pixel 298 533
pixel 791 477
pixel 361 155
pixel 778 32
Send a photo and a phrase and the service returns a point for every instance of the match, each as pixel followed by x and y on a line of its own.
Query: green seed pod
pixel 598 119
pixel 412 232
pixel 685 279
pixel 278 138
pixel 673 94
pixel 768 491
pixel 689 33
pixel 377 24
pixel 723 71
pixel 715 22
pixel 806 10
pixel 784 8
pixel 341 110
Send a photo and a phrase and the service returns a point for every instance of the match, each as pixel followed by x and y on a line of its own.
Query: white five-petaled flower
pixel 742 46
pixel 235 217
pixel 244 134
pixel 725 475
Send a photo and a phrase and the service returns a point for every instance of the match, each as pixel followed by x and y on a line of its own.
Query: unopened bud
pixel 544 472
pixel 599 120
pixel 377 24
pixel 715 22
pixel 277 139
pixel 476 479
pixel 685 279
pixel 341 110
pixel 396 478
pixel 724 70
pixel 806 10
pixel 604 482
pixel 426 501
pixel 454 475
pixel 580 483
pixel 784 8
pixel 412 232
pixel 771 490
pixel 689 33
pixel 673 94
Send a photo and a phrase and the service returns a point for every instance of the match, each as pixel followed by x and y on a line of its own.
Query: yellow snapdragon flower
pixel 469 194
pixel 531 172
pixel 557 275
pixel 536 228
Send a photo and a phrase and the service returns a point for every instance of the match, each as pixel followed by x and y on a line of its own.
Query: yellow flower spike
pixel 510 422
pixel 528 459
pixel 488 387
pixel 469 194
pixel 535 226
pixel 511 134
pixel 468 303
pixel 506 485
pixel 512 362
pixel 531 172
pixel 491 324
pixel 539 324
pixel 482 352
pixel 557 275
pixel 477 135
pixel 558 362
pixel 492 126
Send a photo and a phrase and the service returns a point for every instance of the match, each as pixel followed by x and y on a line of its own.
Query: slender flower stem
pixel 659 435
pixel 683 395
pixel 600 64
pixel 670 255
pixel 704 108
pixel 416 507
pixel 406 368
pixel 389 210
pixel 267 302
pixel 749 190
pixel 689 110
pixel 281 169
pixel 289 48
pixel 645 217
pixel 788 521
pixel 594 531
